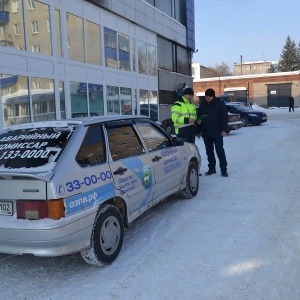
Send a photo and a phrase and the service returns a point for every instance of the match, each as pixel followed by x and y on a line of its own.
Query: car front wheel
pixel 192 182
pixel 245 121
pixel 107 237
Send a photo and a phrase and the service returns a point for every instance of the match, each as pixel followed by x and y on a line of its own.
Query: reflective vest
pixel 182 110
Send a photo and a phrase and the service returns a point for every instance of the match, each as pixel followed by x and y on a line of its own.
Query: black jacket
pixel 291 101
pixel 216 120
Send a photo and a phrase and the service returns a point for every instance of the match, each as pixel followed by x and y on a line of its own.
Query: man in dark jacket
pixel 213 128
pixel 291 103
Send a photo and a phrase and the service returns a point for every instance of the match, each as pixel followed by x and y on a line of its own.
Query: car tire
pixel 170 128
pixel 107 237
pixel 192 181
pixel 245 122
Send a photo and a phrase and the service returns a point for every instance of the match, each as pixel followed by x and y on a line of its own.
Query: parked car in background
pixel 226 97
pixel 248 116
pixel 73 185
pixel 234 122
pixel 230 98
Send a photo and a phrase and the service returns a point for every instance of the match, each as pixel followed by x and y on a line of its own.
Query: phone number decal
pixel 87 181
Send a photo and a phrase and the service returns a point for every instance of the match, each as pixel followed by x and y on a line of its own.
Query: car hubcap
pixel 194 180
pixel 110 235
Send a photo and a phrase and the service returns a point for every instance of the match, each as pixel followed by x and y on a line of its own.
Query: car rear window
pixel 31 148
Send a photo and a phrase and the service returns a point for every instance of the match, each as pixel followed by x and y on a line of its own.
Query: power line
pixel 214 3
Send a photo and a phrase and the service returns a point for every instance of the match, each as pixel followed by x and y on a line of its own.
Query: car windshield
pixel 33 147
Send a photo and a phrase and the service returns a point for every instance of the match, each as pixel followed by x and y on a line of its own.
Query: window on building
pixel 152 60
pixel 75 38
pixel 124 52
pixel 110 46
pixel 15 6
pixel 35 27
pixel 133 55
pixel 36 48
pixel 95 93
pixel 183 61
pixel 126 100
pixel 15 100
pixel 165 6
pixel 40 28
pixel 62 100
pixel 142 57
pixel 112 98
pixel 43 99
pixel 93 43
pixel 147 58
pixel 17 29
pixel 78 96
pixel 31 4
pixel 58 32
pixel 149 104
pixel 165 54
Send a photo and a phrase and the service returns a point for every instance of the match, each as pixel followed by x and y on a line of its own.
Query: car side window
pixel 124 142
pixel 153 138
pixel 92 150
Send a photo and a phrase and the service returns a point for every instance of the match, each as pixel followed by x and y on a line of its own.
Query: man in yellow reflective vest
pixel 184 116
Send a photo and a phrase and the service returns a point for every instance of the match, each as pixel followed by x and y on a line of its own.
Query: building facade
pixel 66 59
pixel 266 90
pixel 255 67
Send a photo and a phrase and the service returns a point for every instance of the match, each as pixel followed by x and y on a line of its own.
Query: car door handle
pixel 156 158
pixel 120 171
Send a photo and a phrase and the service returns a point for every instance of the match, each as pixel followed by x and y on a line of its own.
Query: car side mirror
pixel 178 141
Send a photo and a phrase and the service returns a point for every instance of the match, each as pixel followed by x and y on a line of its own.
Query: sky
pixel 238 239
pixel 255 29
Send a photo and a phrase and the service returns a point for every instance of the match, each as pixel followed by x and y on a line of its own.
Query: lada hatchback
pixel 74 185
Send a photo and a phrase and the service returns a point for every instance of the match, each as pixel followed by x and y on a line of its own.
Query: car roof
pixel 73 122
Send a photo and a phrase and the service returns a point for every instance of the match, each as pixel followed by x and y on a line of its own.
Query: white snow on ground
pixel 239 238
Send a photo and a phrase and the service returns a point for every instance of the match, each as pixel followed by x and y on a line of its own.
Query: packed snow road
pixel 238 239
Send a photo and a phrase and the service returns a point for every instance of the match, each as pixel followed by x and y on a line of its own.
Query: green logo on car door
pixel 147 178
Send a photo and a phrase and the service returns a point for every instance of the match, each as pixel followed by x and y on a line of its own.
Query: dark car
pixel 231 98
pixel 234 122
pixel 248 116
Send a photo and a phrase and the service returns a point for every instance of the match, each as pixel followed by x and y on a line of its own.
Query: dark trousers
pixel 291 107
pixel 217 144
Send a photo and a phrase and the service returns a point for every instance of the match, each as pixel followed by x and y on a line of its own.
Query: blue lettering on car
pixel 87 181
pixel 80 202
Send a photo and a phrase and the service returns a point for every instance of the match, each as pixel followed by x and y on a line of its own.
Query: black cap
pixel 188 91
pixel 210 92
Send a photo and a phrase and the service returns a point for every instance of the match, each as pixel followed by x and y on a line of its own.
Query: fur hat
pixel 188 91
pixel 210 92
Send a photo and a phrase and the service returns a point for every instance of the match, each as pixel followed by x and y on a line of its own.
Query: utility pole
pixel 241 64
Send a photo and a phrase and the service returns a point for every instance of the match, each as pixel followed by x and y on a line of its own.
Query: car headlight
pixel 253 115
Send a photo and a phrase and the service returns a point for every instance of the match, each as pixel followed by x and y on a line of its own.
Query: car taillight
pixel 40 209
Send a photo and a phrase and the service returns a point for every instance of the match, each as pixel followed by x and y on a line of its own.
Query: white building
pixel 69 58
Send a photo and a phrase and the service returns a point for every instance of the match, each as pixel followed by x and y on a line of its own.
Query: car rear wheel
pixel 245 121
pixel 192 182
pixel 107 237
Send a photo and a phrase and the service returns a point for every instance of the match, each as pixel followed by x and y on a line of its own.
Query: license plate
pixel 6 208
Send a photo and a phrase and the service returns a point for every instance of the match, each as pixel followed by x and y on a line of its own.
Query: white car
pixel 74 185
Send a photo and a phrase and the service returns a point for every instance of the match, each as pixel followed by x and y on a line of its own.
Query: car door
pixel 131 166
pixel 167 158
